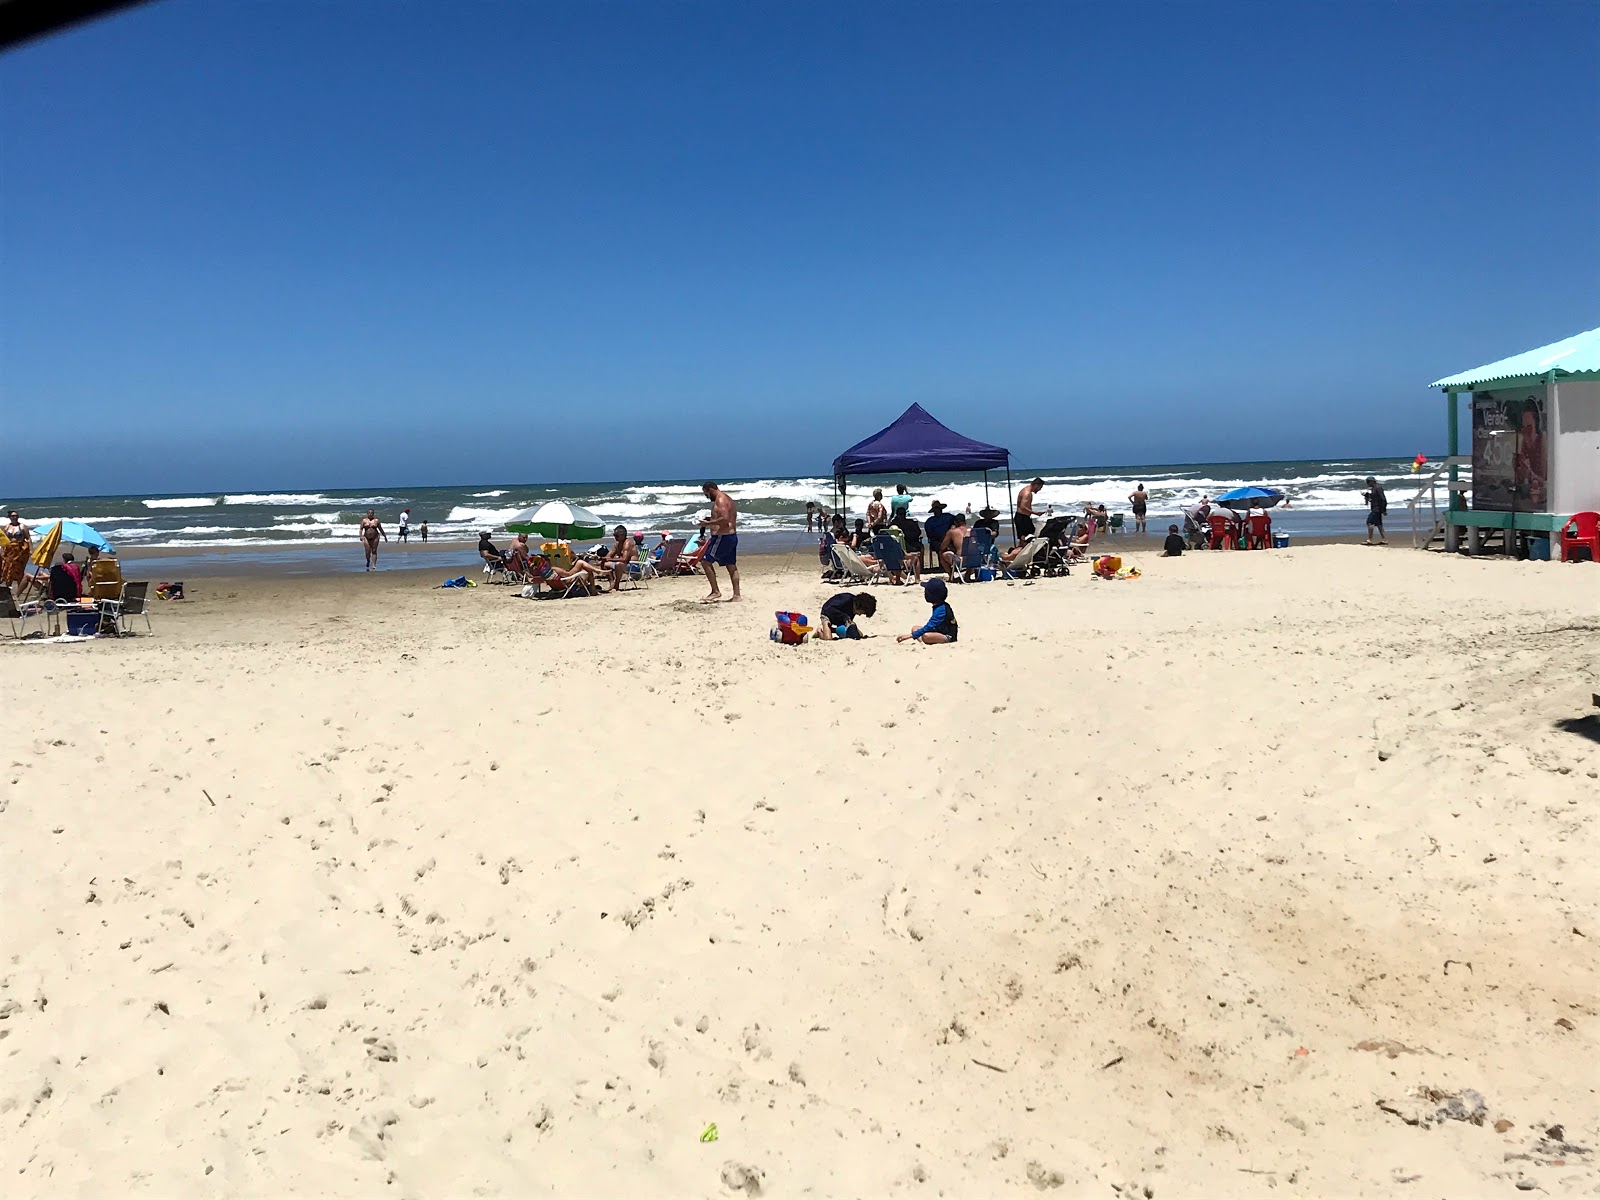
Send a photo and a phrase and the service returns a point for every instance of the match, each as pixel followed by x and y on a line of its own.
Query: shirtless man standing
pixel 371 531
pixel 1023 518
pixel 1140 499
pixel 722 545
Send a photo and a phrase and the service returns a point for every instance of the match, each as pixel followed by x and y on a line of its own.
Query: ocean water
pixel 1325 499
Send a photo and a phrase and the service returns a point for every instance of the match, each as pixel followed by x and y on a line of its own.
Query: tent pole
pixel 986 487
pixel 1011 500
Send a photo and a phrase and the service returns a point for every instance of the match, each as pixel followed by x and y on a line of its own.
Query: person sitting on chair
pixel 542 570
pixel 489 552
pixel 622 552
pixel 519 556
pixel 950 552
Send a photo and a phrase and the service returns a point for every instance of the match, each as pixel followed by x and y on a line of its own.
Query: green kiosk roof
pixel 1576 357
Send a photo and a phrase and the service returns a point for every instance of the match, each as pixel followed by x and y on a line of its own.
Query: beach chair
pixel 668 563
pixel 1260 532
pixel 1022 566
pixel 637 575
pixel 13 613
pixel 1582 531
pixel 1222 535
pixel 1114 526
pixel 891 554
pixel 985 539
pixel 853 566
pixel 103 579
pixel 134 601
pixel 972 559
pixel 825 558
pixel 1079 550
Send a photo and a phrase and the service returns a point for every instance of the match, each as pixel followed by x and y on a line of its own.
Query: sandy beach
pixel 1265 874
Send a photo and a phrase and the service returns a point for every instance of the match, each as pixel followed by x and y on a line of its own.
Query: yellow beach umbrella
pixel 46 549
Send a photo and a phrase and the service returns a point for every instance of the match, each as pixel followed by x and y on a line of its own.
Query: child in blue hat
pixel 941 625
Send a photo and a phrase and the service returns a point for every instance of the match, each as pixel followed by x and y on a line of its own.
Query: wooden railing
pixel 1430 491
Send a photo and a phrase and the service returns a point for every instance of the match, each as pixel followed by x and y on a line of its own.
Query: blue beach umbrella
pixel 78 534
pixel 1242 498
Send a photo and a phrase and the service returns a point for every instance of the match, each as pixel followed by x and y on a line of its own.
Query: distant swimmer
pixel 371 531
pixel 722 544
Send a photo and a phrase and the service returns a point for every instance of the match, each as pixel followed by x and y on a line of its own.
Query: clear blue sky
pixel 345 243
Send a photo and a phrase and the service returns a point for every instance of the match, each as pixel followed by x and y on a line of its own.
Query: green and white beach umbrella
pixel 558 519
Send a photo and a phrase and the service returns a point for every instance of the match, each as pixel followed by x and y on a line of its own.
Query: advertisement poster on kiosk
pixel 1510 457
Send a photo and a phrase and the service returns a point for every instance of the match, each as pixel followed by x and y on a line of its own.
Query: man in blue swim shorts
pixel 722 544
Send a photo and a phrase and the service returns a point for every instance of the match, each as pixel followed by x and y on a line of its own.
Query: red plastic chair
pixel 1260 531
pixel 1581 529
pixel 1222 537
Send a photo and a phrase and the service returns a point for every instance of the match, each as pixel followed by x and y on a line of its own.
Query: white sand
pixel 506 899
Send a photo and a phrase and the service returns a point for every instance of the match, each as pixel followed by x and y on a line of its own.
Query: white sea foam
pixel 183 502
pixel 289 499
pixel 488 495
pixel 279 498
pixel 487 517
pixel 327 518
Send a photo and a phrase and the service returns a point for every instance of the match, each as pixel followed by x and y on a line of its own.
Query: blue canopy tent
pixel 916 442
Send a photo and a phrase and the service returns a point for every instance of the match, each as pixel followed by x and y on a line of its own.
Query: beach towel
pixel 792 628
pixel 1109 566
pixel 460 581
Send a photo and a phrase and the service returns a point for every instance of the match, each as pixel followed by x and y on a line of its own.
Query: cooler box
pixel 1280 541
pixel 83 624
pixel 1539 549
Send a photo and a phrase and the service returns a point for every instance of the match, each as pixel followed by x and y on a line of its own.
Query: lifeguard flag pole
pixel 24 20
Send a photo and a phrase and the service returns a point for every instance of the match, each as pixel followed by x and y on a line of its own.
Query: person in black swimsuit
pixel 1140 500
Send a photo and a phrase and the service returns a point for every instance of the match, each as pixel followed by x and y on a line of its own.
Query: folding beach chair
pixel 988 555
pixel 12 612
pixel 853 566
pixel 889 553
pixel 103 579
pixel 668 565
pixel 133 602
pixel 637 574
pixel 643 568
pixel 972 557
pixel 1022 566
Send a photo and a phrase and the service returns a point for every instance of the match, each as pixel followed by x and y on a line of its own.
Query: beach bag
pixel 460 581
pixel 1107 566
pixel 792 628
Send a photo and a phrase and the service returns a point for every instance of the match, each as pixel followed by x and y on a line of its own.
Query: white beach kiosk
pixel 1535 453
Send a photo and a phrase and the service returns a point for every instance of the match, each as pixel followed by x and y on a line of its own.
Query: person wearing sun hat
pixel 940 627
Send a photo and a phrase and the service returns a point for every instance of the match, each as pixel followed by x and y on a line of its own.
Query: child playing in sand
pixel 941 625
pixel 839 615
pixel 1173 546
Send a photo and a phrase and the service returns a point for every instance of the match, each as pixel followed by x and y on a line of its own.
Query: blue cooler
pixel 1539 549
pixel 83 624
pixel 1280 541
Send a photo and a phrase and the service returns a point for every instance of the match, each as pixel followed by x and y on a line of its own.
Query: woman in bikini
pixel 14 561
pixel 371 531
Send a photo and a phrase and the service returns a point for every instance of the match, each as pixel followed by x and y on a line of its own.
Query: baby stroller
pixel 1057 533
